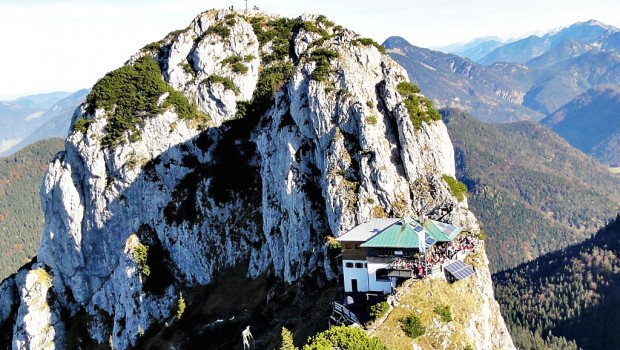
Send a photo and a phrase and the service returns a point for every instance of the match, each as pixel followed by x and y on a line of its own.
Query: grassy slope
pixel 421 299
pixel 21 218
pixel 531 191
pixel 468 302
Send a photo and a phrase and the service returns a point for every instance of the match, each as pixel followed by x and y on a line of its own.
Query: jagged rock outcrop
pixel 306 137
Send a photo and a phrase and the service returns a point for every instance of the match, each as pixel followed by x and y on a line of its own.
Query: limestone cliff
pixel 242 140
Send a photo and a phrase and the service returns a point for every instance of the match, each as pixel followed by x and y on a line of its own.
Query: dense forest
pixel 532 192
pixel 573 295
pixel 21 218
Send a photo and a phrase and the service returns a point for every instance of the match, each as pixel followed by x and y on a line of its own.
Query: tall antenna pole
pixel 246 5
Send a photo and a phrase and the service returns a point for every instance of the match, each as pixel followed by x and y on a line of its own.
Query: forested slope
pixel 574 293
pixel 532 191
pixel 21 218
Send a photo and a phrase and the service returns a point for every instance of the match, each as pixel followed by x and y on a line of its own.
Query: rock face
pixel 307 137
pixel 486 328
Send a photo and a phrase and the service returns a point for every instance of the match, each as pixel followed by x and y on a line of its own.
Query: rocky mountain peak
pixel 243 140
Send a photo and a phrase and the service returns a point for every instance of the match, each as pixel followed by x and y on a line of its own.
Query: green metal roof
pixel 440 231
pixel 404 234
pixel 399 235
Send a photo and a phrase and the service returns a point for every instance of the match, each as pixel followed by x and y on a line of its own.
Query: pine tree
pixel 287 340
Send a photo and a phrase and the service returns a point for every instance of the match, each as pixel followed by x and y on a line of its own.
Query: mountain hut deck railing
pixel 342 315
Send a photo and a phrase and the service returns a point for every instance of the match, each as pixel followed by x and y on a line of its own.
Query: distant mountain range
pixel 493 93
pixel 558 68
pixel 32 118
pixel 475 49
pixel 532 191
pixel 529 79
pixel 591 122
pixel 522 51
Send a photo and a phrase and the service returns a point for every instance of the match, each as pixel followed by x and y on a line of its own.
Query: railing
pixel 342 315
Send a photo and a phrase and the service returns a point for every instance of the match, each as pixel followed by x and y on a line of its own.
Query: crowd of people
pixel 415 265
pixel 439 254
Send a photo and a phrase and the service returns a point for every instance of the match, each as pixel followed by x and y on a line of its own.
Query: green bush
pixel 219 29
pixel 131 93
pixel 188 68
pixel 343 337
pixel 458 189
pixel 153 47
pixel 270 80
pixel 279 32
pixel 407 88
pixel 311 27
pixel 140 255
pixel 322 53
pixel 239 68
pixel 372 119
pixel 379 310
pixel 287 340
pixel 332 243
pixel 322 57
pixel 236 63
pixel 180 306
pixel 412 326
pixel 230 19
pixel 412 103
pixel 368 42
pixel 81 125
pixel 218 79
pixel 323 20
pixel 444 312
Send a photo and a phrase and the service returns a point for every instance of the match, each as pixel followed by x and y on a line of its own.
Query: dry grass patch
pixel 421 300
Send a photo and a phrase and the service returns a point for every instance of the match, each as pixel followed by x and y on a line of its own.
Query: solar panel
pixel 459 270
pixel 418 228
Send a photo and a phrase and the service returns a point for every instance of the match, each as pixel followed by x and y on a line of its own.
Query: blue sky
pixel 52 45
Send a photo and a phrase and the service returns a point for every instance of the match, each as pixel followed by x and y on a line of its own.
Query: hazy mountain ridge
pixel 42 101
pixel 573 60
pixel 591 122
pixel 452 81
pixel 474 49
pixel 522 51
pixel 37 117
